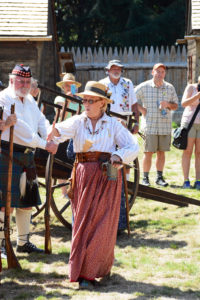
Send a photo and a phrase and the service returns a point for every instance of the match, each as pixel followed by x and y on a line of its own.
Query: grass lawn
pixel 160 260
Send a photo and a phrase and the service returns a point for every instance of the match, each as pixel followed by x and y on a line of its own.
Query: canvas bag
pixel 180 135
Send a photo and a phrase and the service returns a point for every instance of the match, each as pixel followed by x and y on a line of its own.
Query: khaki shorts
pixel 194 131
pixel 154 143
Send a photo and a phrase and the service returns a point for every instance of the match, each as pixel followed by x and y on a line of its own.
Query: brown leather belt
pixel 16 147
pixel 92 156
pixel 86 157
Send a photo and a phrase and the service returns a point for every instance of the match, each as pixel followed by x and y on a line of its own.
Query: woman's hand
pixel 51 147
pixel 116 161
pixel 135 129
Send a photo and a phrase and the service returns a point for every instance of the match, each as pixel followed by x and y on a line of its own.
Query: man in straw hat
pixel 122 92
pixel 28 121
pixel 157 98
pixel 69 86
pixel 96 195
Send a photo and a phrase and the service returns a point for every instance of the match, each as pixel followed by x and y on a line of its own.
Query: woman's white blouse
pixel 108 133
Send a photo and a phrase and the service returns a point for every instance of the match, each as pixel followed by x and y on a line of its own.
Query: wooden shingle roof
pixel 24 18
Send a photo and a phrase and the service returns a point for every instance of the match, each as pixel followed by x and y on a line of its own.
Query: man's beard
pixel 23 92
pixel 115 75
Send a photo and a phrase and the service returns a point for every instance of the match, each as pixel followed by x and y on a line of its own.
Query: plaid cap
pixel 21 70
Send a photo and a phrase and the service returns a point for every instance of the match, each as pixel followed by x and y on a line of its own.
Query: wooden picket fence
pixel 138 63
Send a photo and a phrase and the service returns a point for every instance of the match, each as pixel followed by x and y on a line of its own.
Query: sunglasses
pixel 90 101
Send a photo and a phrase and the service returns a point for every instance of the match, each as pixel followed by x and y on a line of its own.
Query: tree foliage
pixel 119 22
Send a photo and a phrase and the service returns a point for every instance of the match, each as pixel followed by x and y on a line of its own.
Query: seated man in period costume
pixel 122 92
pixel 28 121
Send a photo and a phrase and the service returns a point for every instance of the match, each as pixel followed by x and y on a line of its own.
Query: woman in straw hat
pixel 96 196
pixel 69 86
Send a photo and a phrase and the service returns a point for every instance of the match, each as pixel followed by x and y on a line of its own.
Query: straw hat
pixel 69 78
pixel 95 88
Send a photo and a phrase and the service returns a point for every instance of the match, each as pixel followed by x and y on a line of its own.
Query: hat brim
pixel 60 83
pixel 90 93
pixel 117 65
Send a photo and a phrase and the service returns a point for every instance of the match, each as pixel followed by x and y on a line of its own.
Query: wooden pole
pixel 1 118
pixel 126 195
pixel 48 178
pixel 11 257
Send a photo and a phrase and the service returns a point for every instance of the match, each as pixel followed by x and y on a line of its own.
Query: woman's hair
pixel 105 105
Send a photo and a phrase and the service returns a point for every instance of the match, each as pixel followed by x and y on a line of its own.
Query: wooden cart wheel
pixel 61 207
pixel 39 208
pixel 61 170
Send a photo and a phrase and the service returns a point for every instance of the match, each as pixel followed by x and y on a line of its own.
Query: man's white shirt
pixel 30 120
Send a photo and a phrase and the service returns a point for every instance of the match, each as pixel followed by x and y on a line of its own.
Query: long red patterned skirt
pixel 96 208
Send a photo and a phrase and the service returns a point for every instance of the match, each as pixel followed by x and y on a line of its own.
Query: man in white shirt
pixel 30 131
pixel 122 91
pixel 125 101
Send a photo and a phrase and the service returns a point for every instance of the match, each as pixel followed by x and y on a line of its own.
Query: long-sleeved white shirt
pixel 108 133
pixel 30 120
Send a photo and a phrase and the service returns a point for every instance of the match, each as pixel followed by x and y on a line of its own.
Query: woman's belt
pixel 92 156
pixel 85 157
pixel 16 148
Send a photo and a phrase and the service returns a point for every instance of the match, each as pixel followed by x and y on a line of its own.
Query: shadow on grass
pixel 12 290
pixel 119 284
pixel 137 240
pixel 174 186
pixel 45 258
pixel 57 231
pixel 30 275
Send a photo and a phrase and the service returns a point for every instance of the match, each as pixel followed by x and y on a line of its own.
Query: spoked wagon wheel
pixel 40 161
pixel 133 183
pixel 61 206
pixel 61 170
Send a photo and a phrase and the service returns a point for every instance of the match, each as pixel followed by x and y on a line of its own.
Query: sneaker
pixel 197 185
pixel 160 181
pixel 88 284
pixel 145 181
pixel 29 248
pixel 186 185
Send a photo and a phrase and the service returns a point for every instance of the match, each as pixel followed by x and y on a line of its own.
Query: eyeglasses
pixel 90 101
pixel 21 81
